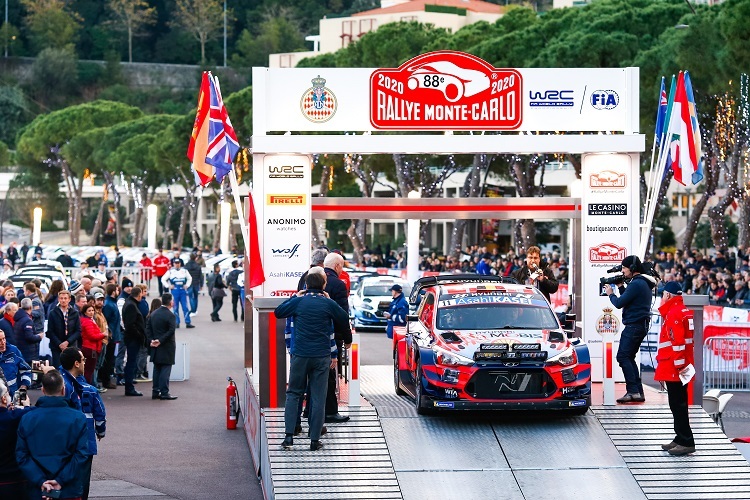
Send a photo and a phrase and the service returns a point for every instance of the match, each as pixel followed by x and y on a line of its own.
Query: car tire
pixel 397 375
pixel 421 410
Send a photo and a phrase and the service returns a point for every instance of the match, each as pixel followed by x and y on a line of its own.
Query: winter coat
pixel 56 327
pixel 675 340
pixel 161 326
pixel 28 341
pixel 91 334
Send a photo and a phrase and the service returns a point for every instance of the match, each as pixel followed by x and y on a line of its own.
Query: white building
pixel 336 33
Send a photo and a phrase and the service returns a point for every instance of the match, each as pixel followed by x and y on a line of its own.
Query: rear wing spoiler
pixel 446 279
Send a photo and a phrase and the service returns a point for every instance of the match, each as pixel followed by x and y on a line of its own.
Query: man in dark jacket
pixel 23 326
pixel 336 290
pixel 196 273
pixel 160 330
pixel 635 302
pixel 313 353
pixel 134 336
pixel 397 311
pixel 53 442
pixel 37 307
pixel 535 272
pixel 235 288
pixel 63 326
pixel 65 260
pixel 112 315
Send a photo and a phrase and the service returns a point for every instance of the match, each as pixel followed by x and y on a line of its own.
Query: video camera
pixel 619 279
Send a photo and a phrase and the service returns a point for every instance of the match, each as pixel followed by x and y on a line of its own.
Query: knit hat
pixel 127 282
pixel 673 287
pixel 75 286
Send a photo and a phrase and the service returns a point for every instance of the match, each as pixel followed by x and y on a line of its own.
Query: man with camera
pixel 635 302
pixel 17 372
pixel 535 272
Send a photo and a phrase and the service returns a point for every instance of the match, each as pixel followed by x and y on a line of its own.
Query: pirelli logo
pixel 286 199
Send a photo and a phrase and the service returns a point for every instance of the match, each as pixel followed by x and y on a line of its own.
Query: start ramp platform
pixel 387 451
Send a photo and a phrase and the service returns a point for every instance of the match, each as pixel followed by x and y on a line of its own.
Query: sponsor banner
pixel 286 222
pixel 448 90
pixel 607 221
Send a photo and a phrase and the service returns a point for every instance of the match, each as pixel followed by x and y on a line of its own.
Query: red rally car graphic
pixel 487 343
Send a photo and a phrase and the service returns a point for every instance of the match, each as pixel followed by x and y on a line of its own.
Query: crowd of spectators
pixel 471 259
pixel 723 276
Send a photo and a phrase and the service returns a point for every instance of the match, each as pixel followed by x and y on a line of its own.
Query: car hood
pixel 374 300
pixel 467 342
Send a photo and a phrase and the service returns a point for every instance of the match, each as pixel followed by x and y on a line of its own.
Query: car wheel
pixel 397 375
pixel 421 410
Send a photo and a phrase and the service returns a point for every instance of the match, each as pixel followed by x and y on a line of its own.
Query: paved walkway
pixel 180 449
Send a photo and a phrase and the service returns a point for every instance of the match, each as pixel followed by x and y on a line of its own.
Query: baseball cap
pixel 6 262
pixel 102 262
pixel 673 287
pixel 98 295
pixel 397 288
pixel 126 282
pixel 176 260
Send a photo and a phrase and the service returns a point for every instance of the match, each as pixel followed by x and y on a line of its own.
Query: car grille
pixel 510 384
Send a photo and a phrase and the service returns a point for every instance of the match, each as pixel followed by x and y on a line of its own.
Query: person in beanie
pixel 635 302
pixel 675 357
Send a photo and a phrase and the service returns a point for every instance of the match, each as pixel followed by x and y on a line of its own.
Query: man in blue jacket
pixel 397 311
pixel 17 371
pixel 635 302
pixel 313 353
pixel 112 315
pixel 52 442
pixel 86 399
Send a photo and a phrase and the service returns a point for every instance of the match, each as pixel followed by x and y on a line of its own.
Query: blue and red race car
pixel 482 342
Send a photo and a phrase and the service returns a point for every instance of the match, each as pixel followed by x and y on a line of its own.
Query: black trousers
pixel 678 404
pixel 217 303
pixel 160 385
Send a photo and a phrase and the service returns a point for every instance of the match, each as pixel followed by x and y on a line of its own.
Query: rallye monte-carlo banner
pixel 448 90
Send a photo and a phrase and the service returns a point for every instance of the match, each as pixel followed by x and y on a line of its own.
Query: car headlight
pixel 443 357
pixel 366 306
pixel 566 358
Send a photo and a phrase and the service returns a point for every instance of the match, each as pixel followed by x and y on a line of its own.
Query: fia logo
pixel 604 99
pixel 285 252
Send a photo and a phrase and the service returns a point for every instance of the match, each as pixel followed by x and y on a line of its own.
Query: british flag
pixel 222 141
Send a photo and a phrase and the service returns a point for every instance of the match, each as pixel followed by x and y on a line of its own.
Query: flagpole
pixel 240 212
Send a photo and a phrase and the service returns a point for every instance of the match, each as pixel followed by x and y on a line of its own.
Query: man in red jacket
pixel 675 357
pixel 161 266
pixel 147 269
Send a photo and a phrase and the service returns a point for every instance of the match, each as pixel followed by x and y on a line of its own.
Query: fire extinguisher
pixel 233 404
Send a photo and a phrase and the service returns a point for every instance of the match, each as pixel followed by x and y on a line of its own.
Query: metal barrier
pixel 726 363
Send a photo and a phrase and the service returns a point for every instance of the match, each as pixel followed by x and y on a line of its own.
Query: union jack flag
pixel 222 141
pixel 213 143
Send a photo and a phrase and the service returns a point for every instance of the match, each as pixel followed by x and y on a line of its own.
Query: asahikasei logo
pixel 318 104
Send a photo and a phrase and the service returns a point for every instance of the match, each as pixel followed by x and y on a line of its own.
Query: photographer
pixel 635 302
pixel 535 272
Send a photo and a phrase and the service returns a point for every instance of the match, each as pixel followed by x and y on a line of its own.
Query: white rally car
pixel 372 299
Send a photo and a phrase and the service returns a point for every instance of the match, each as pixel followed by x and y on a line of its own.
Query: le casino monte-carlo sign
pixel 446 90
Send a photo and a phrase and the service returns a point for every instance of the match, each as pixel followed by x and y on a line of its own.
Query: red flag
pixel 198 148
pixel 255 268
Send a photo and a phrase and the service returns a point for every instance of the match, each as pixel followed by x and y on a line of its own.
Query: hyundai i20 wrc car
pixel 486 342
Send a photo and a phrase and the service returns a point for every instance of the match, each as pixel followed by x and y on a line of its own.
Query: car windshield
pixel 496 316
pixel 381 290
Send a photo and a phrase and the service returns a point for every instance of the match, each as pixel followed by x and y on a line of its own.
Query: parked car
pixel 488 343
pixel 372 299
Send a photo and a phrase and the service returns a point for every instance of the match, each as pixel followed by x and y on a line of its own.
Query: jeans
pixel 217 303
pixel 120 360
pixel 142 368
pixel 99 364
pixel 301 372
pixel 235 300
pixel 180 300
pixel 630 342
pixel 193 296
pixel 678 404
pixel 160 384
pixel 132 347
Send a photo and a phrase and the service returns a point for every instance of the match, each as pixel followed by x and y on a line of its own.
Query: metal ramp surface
pixel 716 471
pixel 354 464
pixel 610 453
